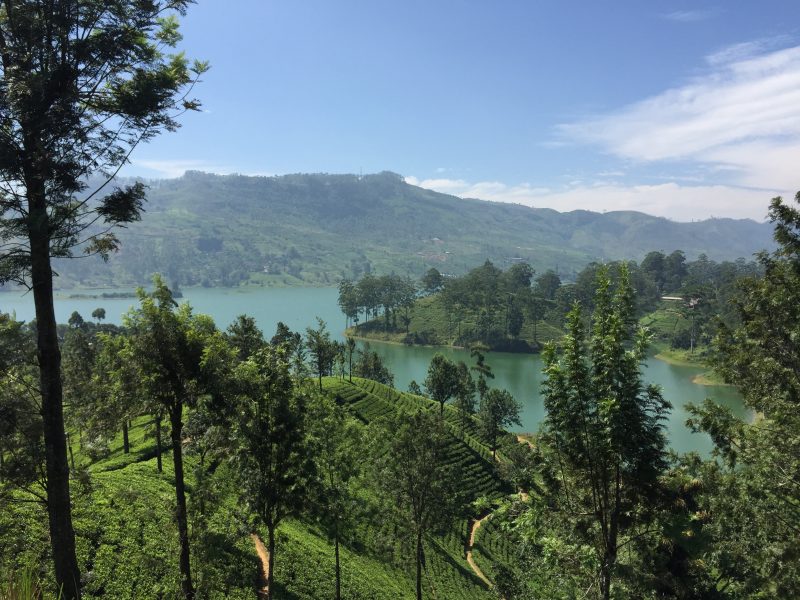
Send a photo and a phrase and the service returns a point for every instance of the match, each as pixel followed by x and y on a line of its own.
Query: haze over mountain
pixel 314 229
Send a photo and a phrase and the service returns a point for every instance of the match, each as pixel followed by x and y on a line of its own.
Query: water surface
pixel 521 374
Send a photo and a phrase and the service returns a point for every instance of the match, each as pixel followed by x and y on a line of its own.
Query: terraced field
pixel 127 538
pixel 467 450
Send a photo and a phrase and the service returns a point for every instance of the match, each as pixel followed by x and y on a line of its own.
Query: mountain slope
pixel 203 229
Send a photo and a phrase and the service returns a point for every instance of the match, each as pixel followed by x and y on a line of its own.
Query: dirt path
pixel 263 572
pixel 475 526
pixel 522 440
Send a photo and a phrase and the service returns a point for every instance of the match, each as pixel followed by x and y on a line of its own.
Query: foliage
pixel 498 410
pixel 370 365
pixel 442 382
pixel 322 348
pixel 604 430
pixel 272 456
pixel 756 500
pixel 413 475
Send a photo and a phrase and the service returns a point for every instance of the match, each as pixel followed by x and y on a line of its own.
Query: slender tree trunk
pixel 71 455
pixel 271 561
pixel 59 509
pixel 180 496
pixel 159 466
pixel 126 448
pixel 338 569
pixel 419 564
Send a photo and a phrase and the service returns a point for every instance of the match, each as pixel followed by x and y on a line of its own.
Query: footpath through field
pixel 263 572
pixel 475 526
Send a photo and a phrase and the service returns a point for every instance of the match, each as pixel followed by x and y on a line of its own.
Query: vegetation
pixel 317 229
pixel 80 91
pixel 362 491
pixel 516 310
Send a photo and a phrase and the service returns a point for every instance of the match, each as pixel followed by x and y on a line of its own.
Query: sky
pixel 679 109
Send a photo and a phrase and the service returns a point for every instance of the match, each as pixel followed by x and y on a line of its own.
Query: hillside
pixel 203 229
pixel 127 541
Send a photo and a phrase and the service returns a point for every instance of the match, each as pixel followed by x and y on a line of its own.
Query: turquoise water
pixel 299 307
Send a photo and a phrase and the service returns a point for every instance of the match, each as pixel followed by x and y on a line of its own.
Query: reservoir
pixel 520 374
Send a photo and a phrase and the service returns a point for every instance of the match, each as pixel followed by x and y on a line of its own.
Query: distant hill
pixel 203 229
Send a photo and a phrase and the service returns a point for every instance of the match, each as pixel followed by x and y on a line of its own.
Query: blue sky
pixel 685 110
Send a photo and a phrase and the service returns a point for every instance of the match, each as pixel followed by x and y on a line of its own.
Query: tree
pixel 22 452
pixel 498 410
pixel 322 348
pixel 99 314
pixel 484 371
pixel 604 426
pixel 442 382
pixel 465 393
pixel 348 300
pixel 515 320
pixel 338 447
pixel 245 336
pixel 757 490
pixel 115 385
pixel 547 285
pixel 370 366
pixel 414 476
pixel 432 281
pixel 350 349
pixel 84 82
pixel 169 344
pixel 271 456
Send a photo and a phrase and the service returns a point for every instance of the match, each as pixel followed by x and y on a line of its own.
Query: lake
pixel 298 308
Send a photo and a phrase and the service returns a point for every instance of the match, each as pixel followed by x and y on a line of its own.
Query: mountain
pixel 203 229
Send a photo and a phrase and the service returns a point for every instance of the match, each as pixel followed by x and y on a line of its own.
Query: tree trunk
pixel 71 455
pixel 271 561
pixel 338 570
pixel 419 564
pixel 59 509
pixel 158 445
pixel 180 496
pixel 126 448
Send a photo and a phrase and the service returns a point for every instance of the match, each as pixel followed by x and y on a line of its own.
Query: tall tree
pixel 465 393
pixel 84 82
pixel 757 496
pixel 498 410
pixel 338 445
pixel 415 477
pixel 272 456
pixel 245 336
pixel 322 348
pixel 442 382
pixel 432 281
pixel 169 344
pixel 484 371
pixel 370 365
pixel 604 425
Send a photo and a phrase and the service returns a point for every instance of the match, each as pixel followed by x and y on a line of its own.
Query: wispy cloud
pixel 743 116
pixel 671 200
pixel 691 16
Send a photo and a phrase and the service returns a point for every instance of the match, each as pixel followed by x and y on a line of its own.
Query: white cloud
pixel 671 200
pixel 742 116
pixel 691 16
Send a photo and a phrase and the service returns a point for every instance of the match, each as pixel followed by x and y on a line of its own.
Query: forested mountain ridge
pixel 315 229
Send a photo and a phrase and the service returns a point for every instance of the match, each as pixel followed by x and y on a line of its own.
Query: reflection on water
pixel 298 308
